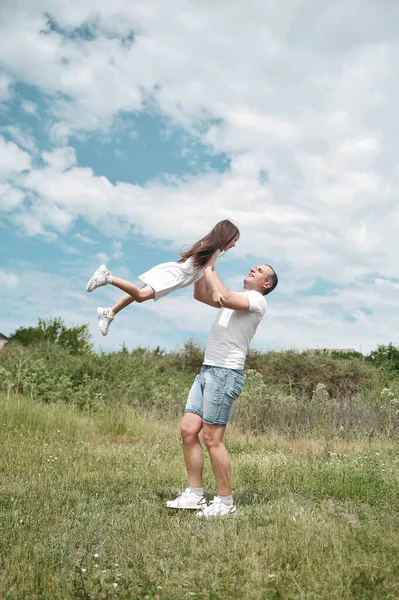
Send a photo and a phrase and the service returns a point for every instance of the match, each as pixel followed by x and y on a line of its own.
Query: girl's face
pixel 231 244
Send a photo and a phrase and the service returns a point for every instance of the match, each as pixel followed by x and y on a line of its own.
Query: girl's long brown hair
pixel 218 238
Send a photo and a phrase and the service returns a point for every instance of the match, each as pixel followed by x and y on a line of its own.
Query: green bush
pixel 75 339
pixel 189 358
pixel 385 357
pixel 302 371
pixel 264 407
pixel 51 373
pixel 291 392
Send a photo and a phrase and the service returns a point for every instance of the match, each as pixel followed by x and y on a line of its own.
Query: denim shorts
pixel 213 393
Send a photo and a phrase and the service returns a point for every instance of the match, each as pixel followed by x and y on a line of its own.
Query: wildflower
pixel 116 585
pixel 84 570
pixel 95 555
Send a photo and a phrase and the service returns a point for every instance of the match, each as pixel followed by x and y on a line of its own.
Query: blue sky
pixel 127 132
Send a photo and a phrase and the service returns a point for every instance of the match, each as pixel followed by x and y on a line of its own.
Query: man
pixel 218 384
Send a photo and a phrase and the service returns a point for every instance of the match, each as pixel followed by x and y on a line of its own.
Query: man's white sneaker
pixel 100 277
pixel 187 500
pixel 104 319
pixel 217 508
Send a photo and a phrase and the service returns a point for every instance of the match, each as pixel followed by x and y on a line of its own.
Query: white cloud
pixel 287 93
pixel 59 133
pixel 10 281
pixel 70 249
pixel 117 247
pixel 84 238
pixel 23 139
pixel 10 197
pixel 13 160
pixel 62 294
pixel 338 320
pixel 29 107
pixel 355 148
pixel 5 87
pixel 102 257
pixel 387 283
pixel 60 159
pixel 284 231
pixel 253 122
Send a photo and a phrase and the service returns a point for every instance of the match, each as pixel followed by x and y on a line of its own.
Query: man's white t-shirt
pixel 232 332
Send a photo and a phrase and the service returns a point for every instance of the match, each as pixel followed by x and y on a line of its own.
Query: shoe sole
pixel 91 281
pixel 202 516
pixel 99 316
pixel 185 507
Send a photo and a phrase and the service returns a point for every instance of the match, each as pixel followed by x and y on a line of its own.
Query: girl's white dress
pixel 170 276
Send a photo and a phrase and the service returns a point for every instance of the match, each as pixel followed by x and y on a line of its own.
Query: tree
pixel 75 339
pixel 386 357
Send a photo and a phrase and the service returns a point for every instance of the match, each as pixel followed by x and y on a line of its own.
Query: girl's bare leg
pixel 122 303
pixel 138 294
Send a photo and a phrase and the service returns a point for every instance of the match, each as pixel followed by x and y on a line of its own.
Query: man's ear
pixel 267 285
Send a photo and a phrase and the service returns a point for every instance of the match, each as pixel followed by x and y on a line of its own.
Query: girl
pixel 167 277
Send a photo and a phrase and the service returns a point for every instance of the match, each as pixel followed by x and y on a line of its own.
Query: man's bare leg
pixel 220 459
pixel 191 425
pixel 193 498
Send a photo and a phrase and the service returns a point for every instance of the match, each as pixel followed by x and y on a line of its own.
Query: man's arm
pixel 233 300
pixel 202 293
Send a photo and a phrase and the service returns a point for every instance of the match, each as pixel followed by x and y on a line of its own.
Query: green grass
pixel 318 518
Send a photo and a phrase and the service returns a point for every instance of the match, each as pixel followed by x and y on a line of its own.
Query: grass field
pixel 82 512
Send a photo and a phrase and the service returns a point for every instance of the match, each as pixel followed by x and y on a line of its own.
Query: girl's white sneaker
pixel 187 500
pixel 217 508
pixel 100 277
pixel 104 319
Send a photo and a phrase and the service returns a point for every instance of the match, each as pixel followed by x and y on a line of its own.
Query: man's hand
pixel 204 294
pixel 218 299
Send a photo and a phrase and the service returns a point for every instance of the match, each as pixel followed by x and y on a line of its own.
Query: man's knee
pixel 213 435
pixel 190 427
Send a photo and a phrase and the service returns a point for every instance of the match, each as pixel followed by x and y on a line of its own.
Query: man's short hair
pixel 273 279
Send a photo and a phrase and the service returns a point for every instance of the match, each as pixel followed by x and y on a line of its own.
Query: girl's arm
pixel 233 300
pixel 221 286
pixel 202 293
pixel 211 280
